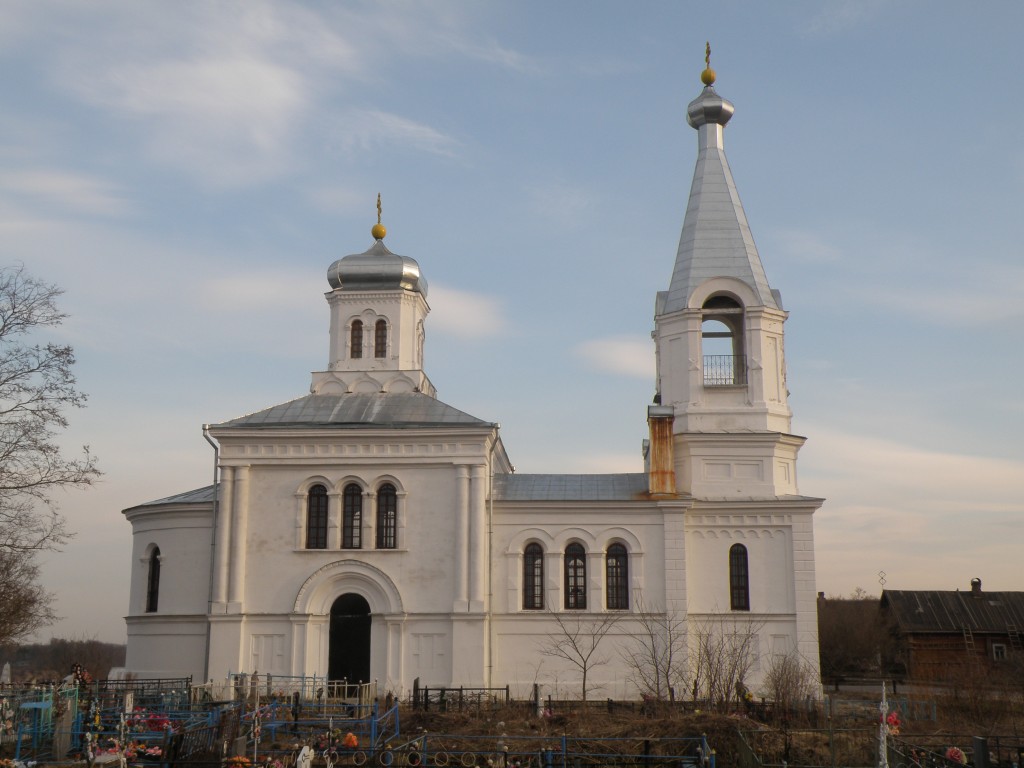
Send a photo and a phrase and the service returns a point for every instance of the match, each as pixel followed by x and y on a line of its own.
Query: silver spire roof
pixel 716 239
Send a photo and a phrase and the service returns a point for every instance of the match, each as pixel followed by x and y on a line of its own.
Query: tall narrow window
pixel 616 576
pixel 153 582
pixel 352 517
pixel 533 578
pixel 575 577
pixel 356 342
pixel 380 339
pixel 387 516
pixel 739 579
pixel 316 518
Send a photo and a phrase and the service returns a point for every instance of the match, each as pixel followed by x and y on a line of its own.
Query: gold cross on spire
pixel 378 230
pixel 708 75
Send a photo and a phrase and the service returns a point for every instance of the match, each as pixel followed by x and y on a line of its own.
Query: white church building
pixel 369 531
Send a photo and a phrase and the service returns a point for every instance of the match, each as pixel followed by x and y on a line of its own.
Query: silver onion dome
pixel 709 107
pixel 378 269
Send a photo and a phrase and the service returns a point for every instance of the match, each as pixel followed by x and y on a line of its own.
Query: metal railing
pixel 725 370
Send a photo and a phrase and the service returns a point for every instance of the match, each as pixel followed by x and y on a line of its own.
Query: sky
pixel 187 172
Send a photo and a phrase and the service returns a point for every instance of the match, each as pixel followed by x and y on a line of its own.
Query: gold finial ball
pixel 378 231
pixel 708 76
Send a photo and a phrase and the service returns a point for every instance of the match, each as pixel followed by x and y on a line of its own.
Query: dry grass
pixel 852 742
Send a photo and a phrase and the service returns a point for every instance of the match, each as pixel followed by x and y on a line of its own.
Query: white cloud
pixel 996 300
pixel 364 130
pixel 902 508
pixel 68 191
pixel 941 481
pixel 627 355
pixel 221 91
pixel 841 15
pixel 228 119
pixel 493 52
pixel 464 314
pixel 805 246
pixel 561 202
pixel 283 291
pixel 338 200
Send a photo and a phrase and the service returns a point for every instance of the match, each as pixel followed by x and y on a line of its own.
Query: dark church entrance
pixel 350 639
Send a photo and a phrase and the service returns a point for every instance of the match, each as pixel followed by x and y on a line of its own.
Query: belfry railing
pixel 725 370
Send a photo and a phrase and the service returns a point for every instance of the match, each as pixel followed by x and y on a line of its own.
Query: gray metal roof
pixel 618 487
pixel 934 611
pixel 198 496
pixel 396 411
pixel 716 239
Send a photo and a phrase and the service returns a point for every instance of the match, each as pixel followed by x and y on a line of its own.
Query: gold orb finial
pixel 708 75
pixel 378 230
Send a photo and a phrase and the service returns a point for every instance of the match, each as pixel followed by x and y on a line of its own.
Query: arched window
pixel 616 576
pixel 153 581
pixel 722 342
pixel 739 579
pixel 316 518
pixel 387 516
pixel 352 517
pixel 575 577
pixel 533 578
pixel 356 341
pixel 380 339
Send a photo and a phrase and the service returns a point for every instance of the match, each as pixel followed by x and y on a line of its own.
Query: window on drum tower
pixel 153 581
pixel 380 339
pixel 356 340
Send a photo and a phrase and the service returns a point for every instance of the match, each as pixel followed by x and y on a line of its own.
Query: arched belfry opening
pixel 722 342
pixel 350 639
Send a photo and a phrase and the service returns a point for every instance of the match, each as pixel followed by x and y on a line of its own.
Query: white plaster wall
pixel 768 561
pixel 166 646
pixel 420 567
pixel 184 536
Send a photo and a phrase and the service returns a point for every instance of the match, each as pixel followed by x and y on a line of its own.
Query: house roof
pixel 507 487
pixel 612 487
pixel 377 409
pixel 935 611
pixel 202 495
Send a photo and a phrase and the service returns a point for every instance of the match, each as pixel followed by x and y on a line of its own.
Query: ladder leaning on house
pixel 1014 634
pixel 968 640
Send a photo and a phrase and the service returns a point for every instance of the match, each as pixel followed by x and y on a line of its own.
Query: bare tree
pixel 94 656
pixel 656 656
pixel 24 604
pixel 722 653
pixel 36 387
pixel 576 640
pixel 789 680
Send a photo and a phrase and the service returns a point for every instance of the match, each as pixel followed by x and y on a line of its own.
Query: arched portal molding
pixel 723 286
pixel 324 586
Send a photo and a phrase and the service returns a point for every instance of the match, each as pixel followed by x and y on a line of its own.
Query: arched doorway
pixel 350 639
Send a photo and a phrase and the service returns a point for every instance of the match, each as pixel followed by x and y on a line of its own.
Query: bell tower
pixel 719 337
pixel 378 303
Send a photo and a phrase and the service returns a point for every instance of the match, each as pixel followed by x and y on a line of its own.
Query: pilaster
pixel 460 557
